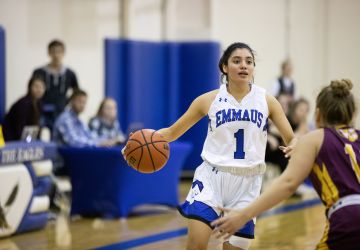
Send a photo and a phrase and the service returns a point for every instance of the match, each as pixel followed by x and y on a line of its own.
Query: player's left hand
pixel 229 224
pixel 123 152
pixel 124 148
pixel 287 150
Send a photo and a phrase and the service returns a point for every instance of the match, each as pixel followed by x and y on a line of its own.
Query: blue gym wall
pixel 155 82
pixel 2 74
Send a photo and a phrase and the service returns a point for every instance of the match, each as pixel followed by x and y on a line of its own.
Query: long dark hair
pixel 101 107
pixel 31 83
pixel 36 104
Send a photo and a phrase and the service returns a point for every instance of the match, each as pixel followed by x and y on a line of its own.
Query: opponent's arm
pixel 281 188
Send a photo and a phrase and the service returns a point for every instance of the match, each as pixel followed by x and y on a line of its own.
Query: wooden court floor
pixel 292 225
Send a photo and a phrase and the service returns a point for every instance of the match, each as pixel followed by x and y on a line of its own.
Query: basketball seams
pixel 158 141
pixel 153 143
pixel 151 137
pixel 138 166
pixel 135 140
pixel 147 146
pixel 158 155
pixel 141 145
pixel 134 148
pixel 141 154
pixel 159 151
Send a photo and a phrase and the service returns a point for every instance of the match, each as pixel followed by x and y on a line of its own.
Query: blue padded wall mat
pixel 115 77
pixel 155 82
pixel 147 97
pixel 198 74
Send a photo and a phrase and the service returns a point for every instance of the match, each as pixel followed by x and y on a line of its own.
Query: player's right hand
pixel 123 152
pixel 287 150
pixel 124 148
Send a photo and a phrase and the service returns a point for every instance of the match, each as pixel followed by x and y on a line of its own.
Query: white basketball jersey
pixel 237 131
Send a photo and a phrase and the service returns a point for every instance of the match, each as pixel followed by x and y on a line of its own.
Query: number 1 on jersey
pixel 239 136
pixel 355 165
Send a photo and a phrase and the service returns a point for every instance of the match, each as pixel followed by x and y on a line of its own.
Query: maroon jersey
pixel 336 171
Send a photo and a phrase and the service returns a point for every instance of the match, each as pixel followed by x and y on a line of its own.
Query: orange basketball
pixel 147 151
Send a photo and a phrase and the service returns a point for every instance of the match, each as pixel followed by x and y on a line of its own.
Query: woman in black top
pixel 25 112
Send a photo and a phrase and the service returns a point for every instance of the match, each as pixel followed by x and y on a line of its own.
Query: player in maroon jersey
pixel 331 156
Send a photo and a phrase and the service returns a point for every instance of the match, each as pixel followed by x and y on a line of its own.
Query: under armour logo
pixel 215 170
pixel 220 99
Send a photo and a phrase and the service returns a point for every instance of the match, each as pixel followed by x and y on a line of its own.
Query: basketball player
pixel 331 155
pixel 234 149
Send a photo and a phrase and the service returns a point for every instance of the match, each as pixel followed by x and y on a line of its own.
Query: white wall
pixel 189 20
pixel 344 44
pixel 308 45
pixel 257 23
pixel 144 19
pixel 321 36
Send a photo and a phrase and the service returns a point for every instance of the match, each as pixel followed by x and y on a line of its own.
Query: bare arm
pixel 297 170
pixel 197 110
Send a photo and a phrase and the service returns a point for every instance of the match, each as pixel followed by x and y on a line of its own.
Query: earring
pixel 224 79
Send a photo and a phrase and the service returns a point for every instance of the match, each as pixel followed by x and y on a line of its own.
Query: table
pixel 104 185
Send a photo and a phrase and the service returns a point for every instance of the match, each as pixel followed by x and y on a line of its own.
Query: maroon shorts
pixel 344 230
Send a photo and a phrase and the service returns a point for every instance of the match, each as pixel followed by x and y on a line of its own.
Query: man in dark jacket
pixel 59 79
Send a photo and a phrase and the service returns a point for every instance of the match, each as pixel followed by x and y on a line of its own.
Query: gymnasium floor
pixel 295 224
